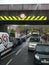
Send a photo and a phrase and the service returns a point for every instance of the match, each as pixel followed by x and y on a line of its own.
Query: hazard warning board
pixel 27 18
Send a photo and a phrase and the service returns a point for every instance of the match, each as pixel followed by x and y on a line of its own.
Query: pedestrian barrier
pixel 26 18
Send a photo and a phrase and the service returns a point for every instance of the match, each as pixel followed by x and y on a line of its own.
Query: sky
pixel 24 1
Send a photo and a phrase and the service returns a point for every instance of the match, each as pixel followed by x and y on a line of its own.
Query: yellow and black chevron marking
pixel 27 18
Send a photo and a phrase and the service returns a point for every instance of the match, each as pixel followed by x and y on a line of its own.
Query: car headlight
pixel 36 56
pixel 30 46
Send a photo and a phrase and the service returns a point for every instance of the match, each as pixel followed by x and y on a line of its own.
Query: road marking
pixel 14 52
pixel 11 54
pixel 18 52
pixel 9 62
pixel 8 55
pixel 5 51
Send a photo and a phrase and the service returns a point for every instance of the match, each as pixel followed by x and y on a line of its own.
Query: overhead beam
pixel 24 7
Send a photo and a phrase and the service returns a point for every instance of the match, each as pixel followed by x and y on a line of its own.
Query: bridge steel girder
pixel 26 12
pixel 27 9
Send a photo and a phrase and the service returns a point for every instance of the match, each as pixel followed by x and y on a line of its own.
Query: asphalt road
pixel 19 56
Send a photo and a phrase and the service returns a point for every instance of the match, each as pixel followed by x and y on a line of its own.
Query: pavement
pixel 19 56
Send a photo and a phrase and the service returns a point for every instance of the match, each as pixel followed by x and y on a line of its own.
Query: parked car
pixel 33 41
pixel 41 55
pixel 19 41
pixel 23 38
pixel 16 41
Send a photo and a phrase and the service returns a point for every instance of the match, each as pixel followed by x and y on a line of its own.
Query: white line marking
pixel 7 55
pixel 5 52
pixel 9 62
pixel 18 52
pixel 13 52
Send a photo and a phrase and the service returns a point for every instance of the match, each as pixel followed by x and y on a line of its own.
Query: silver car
pixel 33 41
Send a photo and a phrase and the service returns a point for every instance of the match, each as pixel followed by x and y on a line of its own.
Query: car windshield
pixel 34 40
pixel 35 35
pixel 42 48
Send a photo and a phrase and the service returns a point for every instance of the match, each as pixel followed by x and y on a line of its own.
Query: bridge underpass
pixel 17 10
pixel 12 10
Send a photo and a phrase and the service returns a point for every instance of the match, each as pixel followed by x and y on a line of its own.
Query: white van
pixel 5 44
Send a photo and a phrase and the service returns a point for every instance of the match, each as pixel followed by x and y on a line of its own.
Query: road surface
pixel 19 56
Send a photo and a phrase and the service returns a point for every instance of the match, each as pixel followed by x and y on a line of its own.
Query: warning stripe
pixel 14 17
pixel 36 18
pixel 45 18
pixel 24 18
pixel 18 18
pixel 10 17
pixel 6 18
pixel 32 18
pixel 2 18
pixel 41 18
pixel 28 18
